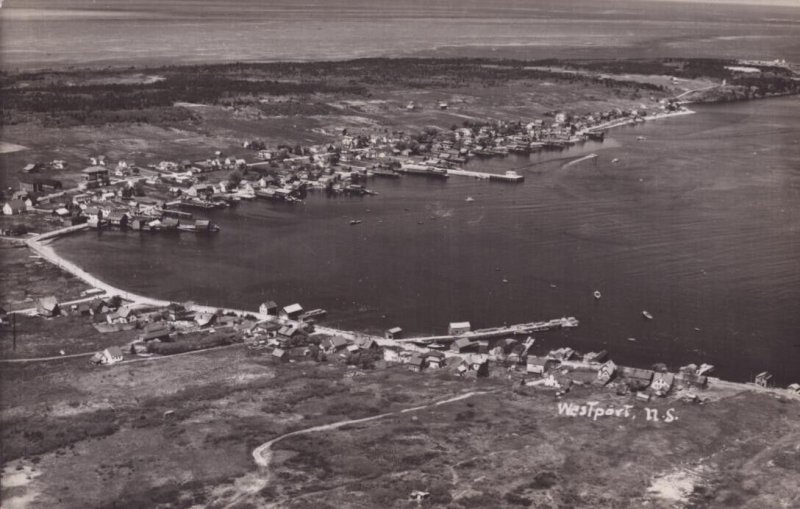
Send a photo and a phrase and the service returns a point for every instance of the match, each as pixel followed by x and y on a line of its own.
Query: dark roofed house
pixel 155 331
pixel 462 345
pixel 334 344
pixel 267 309
pixel 637 378
pixel 415 363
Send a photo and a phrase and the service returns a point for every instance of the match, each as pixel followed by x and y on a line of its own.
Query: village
pixel 165 196
pixel 291 334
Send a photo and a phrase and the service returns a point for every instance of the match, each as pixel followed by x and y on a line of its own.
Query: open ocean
pixel 56 33
pixel 698 224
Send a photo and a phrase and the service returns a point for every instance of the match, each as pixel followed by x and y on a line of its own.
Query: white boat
pixel 647 315
pixel 470 198
pixel 355 222
pixel 597 294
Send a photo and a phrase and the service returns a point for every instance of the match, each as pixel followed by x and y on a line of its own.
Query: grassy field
pixel 25 278
pixel 179 432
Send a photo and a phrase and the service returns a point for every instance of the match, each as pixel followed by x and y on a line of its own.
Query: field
pixel 25 278
pixel 155 434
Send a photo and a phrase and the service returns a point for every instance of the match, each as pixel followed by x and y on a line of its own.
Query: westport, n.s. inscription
pixel 594 410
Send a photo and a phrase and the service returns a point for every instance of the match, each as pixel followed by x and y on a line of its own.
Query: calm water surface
pixel 698 224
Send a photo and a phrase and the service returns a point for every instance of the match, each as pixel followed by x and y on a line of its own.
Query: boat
pixel 615 160
pixel 641 138
pixel 631 339
pixel 437 346
pixel 355 222
pixel 597 294
pixel 470 198
pixel 647 315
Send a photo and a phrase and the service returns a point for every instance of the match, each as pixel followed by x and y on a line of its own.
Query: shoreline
pixel 39 245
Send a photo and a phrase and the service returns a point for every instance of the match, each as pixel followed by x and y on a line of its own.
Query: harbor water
pixel 695 219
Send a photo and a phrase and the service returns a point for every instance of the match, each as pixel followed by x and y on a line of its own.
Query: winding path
pixel 263 453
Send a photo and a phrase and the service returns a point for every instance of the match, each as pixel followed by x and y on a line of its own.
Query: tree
pixel 138 189
pixel 235 178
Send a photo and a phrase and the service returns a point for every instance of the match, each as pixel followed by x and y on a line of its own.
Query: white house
pixel 111 355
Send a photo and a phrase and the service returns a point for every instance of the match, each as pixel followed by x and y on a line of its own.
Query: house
pixel 123 315
pixel 267 309
pixel 461 345
pixel 279 354
pixel 434 360
pixel 637 378
pixel 606 372
pixel 415 363
pixel 47 306
pixel 205 319
pixel 96 176
pixel 478 365
pixel 536 365
pixel 154 332
pixel 288 331
pixel 794 388
pixel 458 328
pixel 561 354
pixel 111 355
pixel 14 207
pixel 764 379
pixel 366 343
pixel 692 379
pixel 393 333
pixel 177 312
pixel 334 344
pixel 292 311
pixel 556 381
pixel 662 383
pixel 390 355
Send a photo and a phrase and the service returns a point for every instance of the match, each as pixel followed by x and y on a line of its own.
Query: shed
pixel 458 328
pixel 393 333
pixel 269 308
pixel 764 379
pixel 292 311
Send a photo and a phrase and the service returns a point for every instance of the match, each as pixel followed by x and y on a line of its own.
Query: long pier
pixel 521 328
pixel 509 176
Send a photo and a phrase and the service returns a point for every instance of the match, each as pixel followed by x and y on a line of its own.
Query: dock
pixel 509 176
pixel 510 330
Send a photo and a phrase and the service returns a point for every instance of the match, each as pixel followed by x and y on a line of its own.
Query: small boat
pixel 437 346
pixel 505 280
pixel 647 315
pixel 641 138
pixel 470 198
pixel 615 160
pixel 631 339
pixel 597 294
pixel 355 222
